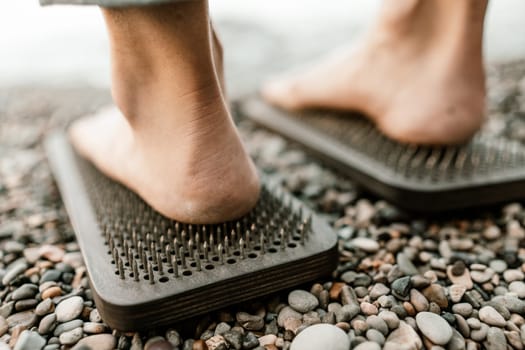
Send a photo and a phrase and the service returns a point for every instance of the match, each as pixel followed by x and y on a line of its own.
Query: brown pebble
pixel 52 253
pixel 409 308
pixel 343 325
pixel 335 291
pixel 15 333
pixel 31 271
pixel 51 292
pixel 271 347
pixel 200 345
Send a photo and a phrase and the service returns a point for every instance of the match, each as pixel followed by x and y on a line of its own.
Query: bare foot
pixel 418 74
pixel 172 140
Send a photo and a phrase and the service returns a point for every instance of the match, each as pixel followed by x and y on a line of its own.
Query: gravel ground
pixel 403 282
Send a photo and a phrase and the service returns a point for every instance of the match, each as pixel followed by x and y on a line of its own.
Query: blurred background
pixel 67 45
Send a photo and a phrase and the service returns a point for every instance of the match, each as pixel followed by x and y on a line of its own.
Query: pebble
pixel 418 300
pixel 67 326
pixel 302 301
pixel 93 327
pixel 378 290
pixel 365 244
pixel 404 337
pixel 24 319
pixel 29 340
pixel 26 291
pixel 47 323
pixel 401 288
pixel 479 334
pixel 456 292
pixel 463 309
pixel 15 269
pixel 434 327
pixel 390 318
pixel 368 309
pixel 464 279
pixel 71 337
pixel 3 326
pixel 482 276
pixel 69 309
pixel 436 293
pixel 518 288
pixel 513 275
pixel 499 266
pixel 490 316
pixel 368 345
pixel 321 336
pixel 495 340
pixel 250 322
pixel 51 292
pixel 44 307
pixel 98 342
pixel 286 313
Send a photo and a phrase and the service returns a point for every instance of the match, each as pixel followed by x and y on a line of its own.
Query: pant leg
pixel 108 3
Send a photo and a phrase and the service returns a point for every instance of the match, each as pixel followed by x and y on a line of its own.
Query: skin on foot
pixel 418 74
pixel 171 138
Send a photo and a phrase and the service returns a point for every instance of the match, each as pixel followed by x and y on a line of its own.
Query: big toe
pixel 282 92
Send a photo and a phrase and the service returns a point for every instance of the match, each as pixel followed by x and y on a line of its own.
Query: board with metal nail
pixel 147 271
pixel 485 171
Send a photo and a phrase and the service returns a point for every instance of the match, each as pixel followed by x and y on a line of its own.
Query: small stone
pixel 69 309
pixel 436 293
pixel 51 275
pixel 222 328
pixel 321 336
pixel 368 309
pixel 51 292
pixel 464 279
pixel 406 265
pixel 492 233
pixel 347 312
pixel 404 337
pixel 390 318
pixel 29 340
pixel 217 342
pixel 44 307
pixel 93 327
pixel 157 343
pixel 3 326
pixel 518 288
pixel 368 345
pixel 234 339
pixel 458 268
pixel 496 339
pixel 482 276
pixel 365 244
pixel 47 324
pixel 434 327
pixel 378 290
pixel 51 253
pixel 490 316
pixel 268 339
pixel 456 292
pixel 480 334
pixel 401 288
pixel 16 268
pixel 377 323
pixel 418 300
pixel 250 341
pixel 463 309
pixel 250 322
pixel 285 313
pixel 25 319
pixel 457 342
pixel 499 266
pixel 302 301
pixel 71 337
pixel 67 326
pixel 26 291
pixel 513 275
pixel 98 342
pixel 94 316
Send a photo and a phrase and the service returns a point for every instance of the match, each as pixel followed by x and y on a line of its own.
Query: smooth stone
pixel 436 293
pixel 44 307
pixel 377 323
pixel 71 337
pixel 513 275
pixel 250 341
pixel 378 290
pixel 479 334
pixel 512 303
pixel 222 328
pixel 434 327
pixel 29 340
pixel 4 327
pixel 495 340
pixel 456 292
pixel 464 279
pixel 368 309
pixel 286 313
pixel 375 336
pixel 52 252
pixel 302 301
pixel 418 300
pixel 347 312
pixel 367 245
pixel 463 309
pixel 25 319
pixel 404 337
pixel 7 308
pixel 94 316
pixel 51 275
pixel 93 327
pixel 482 276
pixel 490 316
pixel 406 265
pixel 390 318
pixel 499 266
pixel 51 292
pixel 69 309
pixel 25 291
pixel 234 339
pixel 518 288
pixel 98 342
pixel 47 323
pixel 401 288
pixel 250 322
pixel 321 336
pixel 457 342
pixel 368 345
pixel 16 268
pixel 67 326
pixel 159 343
